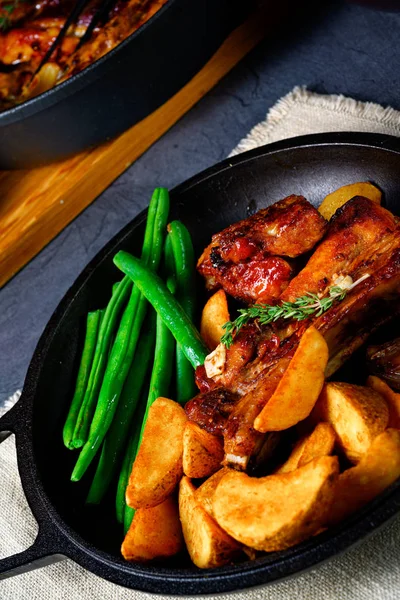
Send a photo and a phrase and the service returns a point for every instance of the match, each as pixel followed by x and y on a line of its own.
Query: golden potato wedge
pixel 320 442
pixel 215 314
pixel 158 465
pixel 357 414
pixel 336 199
pixel 300 386
pixel 208 545
pixel 377 469
pixel 202 451
pixel 278 511
pixel 155 533
pixel 392 399
pixel 292 462
pixel 204 494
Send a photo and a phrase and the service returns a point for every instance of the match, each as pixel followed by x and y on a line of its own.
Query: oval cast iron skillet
pixel 312 166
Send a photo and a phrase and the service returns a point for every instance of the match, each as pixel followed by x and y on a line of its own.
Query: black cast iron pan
pixel 312 166
pixel 121 88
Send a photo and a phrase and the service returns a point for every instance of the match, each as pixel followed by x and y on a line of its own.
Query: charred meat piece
pixel 241 440
pixel 246 258
pixel 33 28
pixel 256 280
pixel 356 233
pixel 127 18
pixel 30 44
pixel 251 345
pixel 14 12
pixel 289 227
pixel 210 410
pixel 364 238
pixel 371 304
pixel 255 350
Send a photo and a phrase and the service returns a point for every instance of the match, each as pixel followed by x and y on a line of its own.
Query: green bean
pixel 185 379
pixel 129 457
pixel 116 437
pixel 92 326
pixel 161 373
pixel 169 260
pixel 171 312
pixel 183 252
pixel 106 329
pixel 125 341
pixel 160 195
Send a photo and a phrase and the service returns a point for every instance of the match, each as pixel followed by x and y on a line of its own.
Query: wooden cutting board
pixel 35 205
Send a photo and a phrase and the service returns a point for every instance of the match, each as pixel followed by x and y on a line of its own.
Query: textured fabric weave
pixel 302 112
pixel 369 572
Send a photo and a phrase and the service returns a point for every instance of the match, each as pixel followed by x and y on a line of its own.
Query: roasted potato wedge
pixel 215 314
pixel 320 442
pixel 278 511
pixel 357 414
pixel 202 452
pixel 336 199
pixel 377 469
pixel 292 462
pixel 155 533
pixel 208 545
pixel 158 465
pixel 392 399
pixel 300 386
pixel 205 493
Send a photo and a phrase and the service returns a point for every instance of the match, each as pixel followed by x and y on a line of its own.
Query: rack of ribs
pixel 362 239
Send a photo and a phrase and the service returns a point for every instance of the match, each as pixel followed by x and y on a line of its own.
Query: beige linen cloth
pixel 369 572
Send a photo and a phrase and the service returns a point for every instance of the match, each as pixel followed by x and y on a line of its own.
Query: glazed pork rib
pixel 249 259
pixel 363 238
pixel 357 233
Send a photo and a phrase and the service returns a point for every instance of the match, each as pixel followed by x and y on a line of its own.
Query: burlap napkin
pixel 370 572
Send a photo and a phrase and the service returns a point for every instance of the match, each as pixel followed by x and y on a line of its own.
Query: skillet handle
pixel 10 420
pixel 44 549
pixel 40 554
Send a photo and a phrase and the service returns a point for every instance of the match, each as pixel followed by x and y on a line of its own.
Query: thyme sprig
pixel 306 306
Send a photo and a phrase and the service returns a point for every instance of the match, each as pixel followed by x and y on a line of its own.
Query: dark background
pixel 340 48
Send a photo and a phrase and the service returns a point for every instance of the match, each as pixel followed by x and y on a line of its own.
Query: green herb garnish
pixel 301 308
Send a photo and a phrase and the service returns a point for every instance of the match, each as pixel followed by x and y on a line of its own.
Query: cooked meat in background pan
pixel 28 29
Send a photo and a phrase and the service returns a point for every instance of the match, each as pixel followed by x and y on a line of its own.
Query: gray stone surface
pixel 344 49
